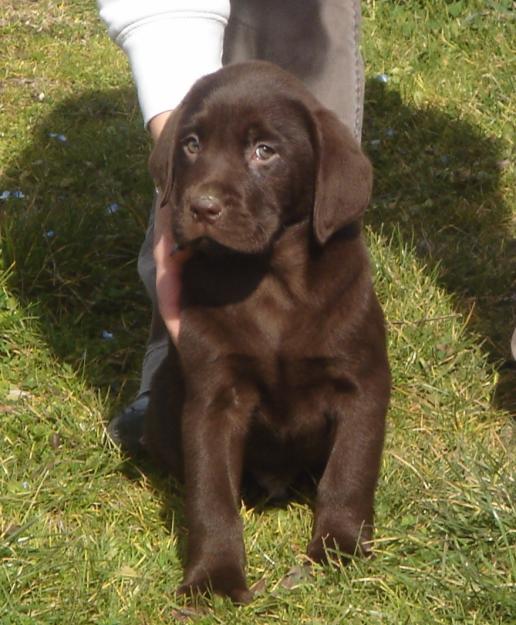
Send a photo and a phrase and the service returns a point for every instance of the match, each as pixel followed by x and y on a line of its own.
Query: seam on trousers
pixel 156 344
pixel 356 53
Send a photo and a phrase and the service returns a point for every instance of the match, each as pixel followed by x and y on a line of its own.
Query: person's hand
pixel 168 269
pixel 169 264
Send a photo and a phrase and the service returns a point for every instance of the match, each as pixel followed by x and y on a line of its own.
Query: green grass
pixel 86 538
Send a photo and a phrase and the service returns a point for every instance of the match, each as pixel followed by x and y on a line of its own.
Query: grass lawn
pixel 87 538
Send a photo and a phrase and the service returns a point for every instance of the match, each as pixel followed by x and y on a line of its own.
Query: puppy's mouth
pixel 216 240
pixel 202 244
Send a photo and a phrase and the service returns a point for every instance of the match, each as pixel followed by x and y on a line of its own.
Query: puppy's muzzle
pixel 206 208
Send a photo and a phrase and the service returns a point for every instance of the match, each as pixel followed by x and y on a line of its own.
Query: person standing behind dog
pixel 172 43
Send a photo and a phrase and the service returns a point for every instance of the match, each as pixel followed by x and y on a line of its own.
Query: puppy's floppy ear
pixel 343 177
pixel 161 165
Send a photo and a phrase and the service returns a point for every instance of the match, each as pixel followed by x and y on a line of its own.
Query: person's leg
pixel 157 342
pixel 317 40
pixel 126 428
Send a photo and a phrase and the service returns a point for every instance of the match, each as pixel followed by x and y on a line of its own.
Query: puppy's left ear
pixel 343 178
pixel 161 165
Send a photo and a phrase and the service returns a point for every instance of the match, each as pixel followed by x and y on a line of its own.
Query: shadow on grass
pixel 438 182
pixel 170 492
pixel 72 240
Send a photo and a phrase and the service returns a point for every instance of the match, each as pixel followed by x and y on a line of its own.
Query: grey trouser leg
pixel 157 343
pixel 318 41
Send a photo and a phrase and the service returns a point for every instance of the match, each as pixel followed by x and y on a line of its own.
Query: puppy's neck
pixel 294 260
pixel 296 242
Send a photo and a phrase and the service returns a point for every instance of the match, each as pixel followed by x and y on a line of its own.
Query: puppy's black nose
pixel 206 208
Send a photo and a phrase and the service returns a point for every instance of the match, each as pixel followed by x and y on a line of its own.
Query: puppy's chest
pixel 281 348
pixel 272 339
pixel 292 392
pixel 270 323
pixel 277 319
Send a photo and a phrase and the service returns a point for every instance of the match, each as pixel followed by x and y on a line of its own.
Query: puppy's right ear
pixel 161 165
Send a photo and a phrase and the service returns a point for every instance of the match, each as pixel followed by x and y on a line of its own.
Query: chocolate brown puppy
pixel 281 365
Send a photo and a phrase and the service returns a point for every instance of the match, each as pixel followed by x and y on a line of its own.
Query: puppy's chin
pixel 218 243
pixel 211 247
pixel 206 245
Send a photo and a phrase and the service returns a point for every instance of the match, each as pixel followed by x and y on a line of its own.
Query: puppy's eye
pixel 191 144
pixel 263 152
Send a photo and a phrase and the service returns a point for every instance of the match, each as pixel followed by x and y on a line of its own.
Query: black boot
pixel 126 428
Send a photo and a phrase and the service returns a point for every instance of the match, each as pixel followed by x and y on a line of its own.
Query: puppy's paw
pixel 226 581
pixel 337 546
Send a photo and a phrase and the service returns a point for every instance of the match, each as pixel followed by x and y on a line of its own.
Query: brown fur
pixel 281 364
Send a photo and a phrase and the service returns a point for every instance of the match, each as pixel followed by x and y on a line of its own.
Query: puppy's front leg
pixel 213 440
pixel 345 494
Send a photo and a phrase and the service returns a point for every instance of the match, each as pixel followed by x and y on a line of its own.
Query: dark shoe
pixel 126 428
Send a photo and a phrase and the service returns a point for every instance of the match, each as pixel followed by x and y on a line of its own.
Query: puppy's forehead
pixel 250 93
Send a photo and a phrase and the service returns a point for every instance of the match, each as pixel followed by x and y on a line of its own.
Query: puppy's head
pixel 248 152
